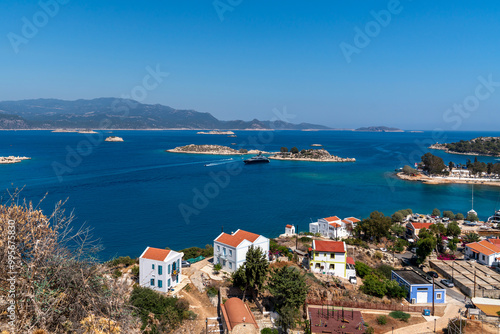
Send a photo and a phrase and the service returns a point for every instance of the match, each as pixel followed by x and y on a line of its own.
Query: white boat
pixel 495 219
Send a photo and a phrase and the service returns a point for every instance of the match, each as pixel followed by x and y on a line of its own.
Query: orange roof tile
pixel 350 260
pixel 228 239
pixel 155 254
pixel 289 226
pixel 419 226
pixel 331 219
pixel 329 246
pixel 334 224
pixel 347 221
pixel 236 312
pixel 354 220
pixel 495 241
pixel 484 247
pixel 246 235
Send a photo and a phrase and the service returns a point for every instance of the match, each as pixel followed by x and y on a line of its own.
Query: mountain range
pixel 114 113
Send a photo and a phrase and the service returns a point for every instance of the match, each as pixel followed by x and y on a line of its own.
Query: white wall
pixel 146 273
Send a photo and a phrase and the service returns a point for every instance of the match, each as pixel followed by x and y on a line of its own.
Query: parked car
pixel 383 249
pixel 353 280
pixel 186 264
pixel 432 274
pixel 448 283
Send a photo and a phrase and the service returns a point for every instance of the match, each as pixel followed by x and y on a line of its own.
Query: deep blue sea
pixel 132 193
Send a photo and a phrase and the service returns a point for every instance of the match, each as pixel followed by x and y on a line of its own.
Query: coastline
pixel 336 159
pixel 441 180
pixel 442 147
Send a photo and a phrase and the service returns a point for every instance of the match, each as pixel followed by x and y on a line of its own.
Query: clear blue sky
pixel 265 55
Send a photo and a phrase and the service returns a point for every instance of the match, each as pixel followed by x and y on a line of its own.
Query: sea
pixel 134 194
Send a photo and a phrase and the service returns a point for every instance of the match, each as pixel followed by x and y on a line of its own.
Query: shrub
pixel 378 255
pixel 394 290
pixel 372 285
pixel 382 320
pixel 194 252
pixel 369 330
pixel 362 269
pixel 125 260
pixel 400 315
pixel 217 267
pixel 212 291
pixel 135 271
pixel 356 242
pixel 117 273
pixel 385 270
pixel 459 216
pixel 243 150
pixel 269 331
pixel 449 214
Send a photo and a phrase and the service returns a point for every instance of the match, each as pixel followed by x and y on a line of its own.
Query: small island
pixel 378 129
pixel 213 149
pixel 215 132
pixel 487 146
pixel 12 159
pixel 320 155
pixel 114 138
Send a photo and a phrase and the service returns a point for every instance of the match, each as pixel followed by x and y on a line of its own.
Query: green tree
pixel 283 150
pixel 254 270
pixel 471 237
pixel 288 288
pixel 385 270
pixel 394 290
pixel 449 214
pixel 398 230
pixel 425 245
pixel 436 212
pixel 243 150
pixel 217 267
pixel 372 285
pixel 433 164
pixel 294 150
pixel 286 319
pixel 362 269
pixel 453 230
pixel 375 227
pixel 397 217
pixel 471 216
pixel 459 216
pixel 409 170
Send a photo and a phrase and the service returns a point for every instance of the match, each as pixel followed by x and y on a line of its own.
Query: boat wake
pixel 221 162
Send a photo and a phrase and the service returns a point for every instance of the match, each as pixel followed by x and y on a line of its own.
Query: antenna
pixel 473 196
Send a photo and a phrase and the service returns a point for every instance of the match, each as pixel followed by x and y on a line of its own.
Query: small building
pixel 488 306
pixel 418 288
pixel 289 230
pixel 412 229
pixel 330 257
pixel 484 252
pixel 160 269
pixel 230 250
pixel 237 318
pixel 334 227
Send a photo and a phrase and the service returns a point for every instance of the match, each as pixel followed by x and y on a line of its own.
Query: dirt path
pixel 199 304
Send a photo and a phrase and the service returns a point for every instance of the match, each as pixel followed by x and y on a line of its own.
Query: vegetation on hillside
pixel 480 146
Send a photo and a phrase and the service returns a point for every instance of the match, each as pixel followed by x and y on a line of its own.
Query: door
pixel 421 297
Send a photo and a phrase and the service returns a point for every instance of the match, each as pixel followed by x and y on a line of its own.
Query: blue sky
pixel 265 55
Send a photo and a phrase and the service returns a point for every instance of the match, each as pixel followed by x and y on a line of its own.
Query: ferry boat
pixel 495 219
pixel 257 159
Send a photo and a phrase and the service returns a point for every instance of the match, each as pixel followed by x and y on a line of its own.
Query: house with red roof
pixel 413 229
pixel 484 252
pixel 289 230
pixel 160 269
pixel 334 227
pixel 237 317
pixel 230 250
pixel 330 257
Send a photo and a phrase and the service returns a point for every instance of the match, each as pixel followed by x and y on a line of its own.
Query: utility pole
pixel 433 289
pixel 474 282
pixel 452 267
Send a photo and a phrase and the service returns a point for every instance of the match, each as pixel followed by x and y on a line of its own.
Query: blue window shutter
pixel 168 270
pixel 160 283
pixel 152 282
pixel 153 266
pixel 169 282
pixel 160 270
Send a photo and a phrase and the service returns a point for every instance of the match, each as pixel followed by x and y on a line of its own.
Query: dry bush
pixel 59 285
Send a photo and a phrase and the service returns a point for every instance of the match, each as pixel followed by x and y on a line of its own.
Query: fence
pixel 367 305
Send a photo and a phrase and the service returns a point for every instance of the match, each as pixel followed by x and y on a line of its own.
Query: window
pixel 168 272
pixel 224 250
pixel 483 257
pixel 152 282
pixel 160 283
pixel 224 263
pixel 178 264
pixel 168 282
pixel 316 254
pixel 439 295
pixel 332 256
pixel 230 265
pixel 230 252
pixel 332 266
pixel 160 270
pixel 153 266
pixel 218 248
pixel 317 265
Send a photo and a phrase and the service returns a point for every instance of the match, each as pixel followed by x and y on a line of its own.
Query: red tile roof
pixel 331 219
pixel 228 239
pixel 155 254
pixel 354 220
pixel 495 241
pixel 334 224
pixel 246 235
pixel 418 226
pixel 236 312
pixel 349 260
pixel 289 226
pixel 484 247
pixel 329 246
pixel 347 221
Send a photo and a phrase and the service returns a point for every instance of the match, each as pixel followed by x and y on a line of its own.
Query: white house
pixel 230 250
pixel 289 230
pixel 484 252
pixel 334 227
pixel 330 257
pixel 159 269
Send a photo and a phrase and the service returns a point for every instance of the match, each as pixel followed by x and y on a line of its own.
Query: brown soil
pixel 200 305
pixel 371 319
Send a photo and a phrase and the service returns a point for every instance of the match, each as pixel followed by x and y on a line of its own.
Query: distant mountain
pixel 379 129
pixel 112 113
